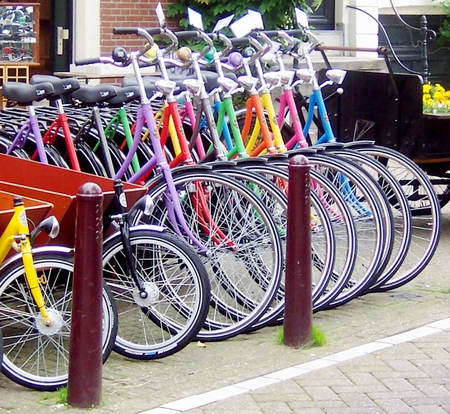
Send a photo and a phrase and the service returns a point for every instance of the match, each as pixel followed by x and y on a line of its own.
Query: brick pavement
pixel 410 377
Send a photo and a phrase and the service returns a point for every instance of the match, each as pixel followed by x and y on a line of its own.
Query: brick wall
pixel 127 13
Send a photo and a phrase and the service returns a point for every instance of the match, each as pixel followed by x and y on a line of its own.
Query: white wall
pixel 360 30
pixel 409 7
pixel 86 30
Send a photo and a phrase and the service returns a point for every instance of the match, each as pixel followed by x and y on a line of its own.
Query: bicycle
pixel 35 309
pixel 294 135
pixel 426 223
pixel 357 287
pixel 160 287
pixel 198 193
pixel 28 132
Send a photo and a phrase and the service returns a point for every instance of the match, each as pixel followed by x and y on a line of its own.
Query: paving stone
pixel 375 361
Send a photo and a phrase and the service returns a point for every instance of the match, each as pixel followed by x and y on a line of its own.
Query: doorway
pixel 55 40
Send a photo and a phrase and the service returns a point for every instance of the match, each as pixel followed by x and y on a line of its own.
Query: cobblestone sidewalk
pixel 410 377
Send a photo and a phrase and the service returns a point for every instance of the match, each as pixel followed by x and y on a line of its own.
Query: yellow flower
pixel 439 88
pixel 438 96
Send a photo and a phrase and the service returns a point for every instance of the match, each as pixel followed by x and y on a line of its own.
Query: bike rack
pixel 56 188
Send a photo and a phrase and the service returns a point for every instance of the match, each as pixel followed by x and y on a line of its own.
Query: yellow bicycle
pixel 35 305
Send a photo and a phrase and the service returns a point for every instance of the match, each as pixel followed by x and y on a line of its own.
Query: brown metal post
pixel 298 282
pixel 85 357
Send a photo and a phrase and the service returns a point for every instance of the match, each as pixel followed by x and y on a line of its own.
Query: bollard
pixel 298 282
pixel 85 357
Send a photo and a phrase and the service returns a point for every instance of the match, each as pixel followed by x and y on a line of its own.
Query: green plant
pixel 277 14
pixel 280 336
pixel 318 337
pixel 62 396
pixel 444 30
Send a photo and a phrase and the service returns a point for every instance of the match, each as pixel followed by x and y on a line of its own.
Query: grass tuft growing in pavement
pixel 62 396
pixel 318 337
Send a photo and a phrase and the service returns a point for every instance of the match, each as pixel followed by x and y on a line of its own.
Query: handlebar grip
pixel 125 30
pixel 239 41
pixel 154 31
pixel 87 61
pixel 295 32
pixel 272 33
pixel 188 34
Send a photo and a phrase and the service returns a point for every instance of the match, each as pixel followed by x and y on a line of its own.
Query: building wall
pixel 360 30
pixel 125 13
pixel 94 21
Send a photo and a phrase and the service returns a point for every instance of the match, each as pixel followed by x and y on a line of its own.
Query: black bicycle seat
pixel 25 93
pixel 61 87
pixel 92 95
pixel 124 95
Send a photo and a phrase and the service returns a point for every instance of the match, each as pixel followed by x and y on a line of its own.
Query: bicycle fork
pixel 121 218
pixel 20 241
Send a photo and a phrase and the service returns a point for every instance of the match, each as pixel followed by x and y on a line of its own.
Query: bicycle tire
pixel 178 291
pixel 425 210
pixel 41 360
pixel 371 222
pixel 342 230
pixel 397 202
pixel 251 244
pixel 255 173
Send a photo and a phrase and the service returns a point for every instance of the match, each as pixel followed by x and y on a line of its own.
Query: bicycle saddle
pixel 61 87
pixel 25 93
pixel 92 95
pixel 123 95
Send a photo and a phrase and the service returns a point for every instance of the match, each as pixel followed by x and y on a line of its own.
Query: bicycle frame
pixel 16 236
pixel 61 123
pixel 121 118
pixel 31 126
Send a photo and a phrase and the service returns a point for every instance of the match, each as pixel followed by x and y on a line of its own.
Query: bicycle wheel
pixel 441 184
pixel 89 163
pixel 177 288
pixel 34 355
pixel 53 155
pixel 398 204
pixel 270 184
pixel 335 216
pixel 242 238
pixel 425 210
pixel 370 215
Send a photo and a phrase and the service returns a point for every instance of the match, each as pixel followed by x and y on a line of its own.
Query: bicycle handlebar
pixel 87 61
pixel 188 34
pixel 125 31
pixel 138 31
pixel 279 33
